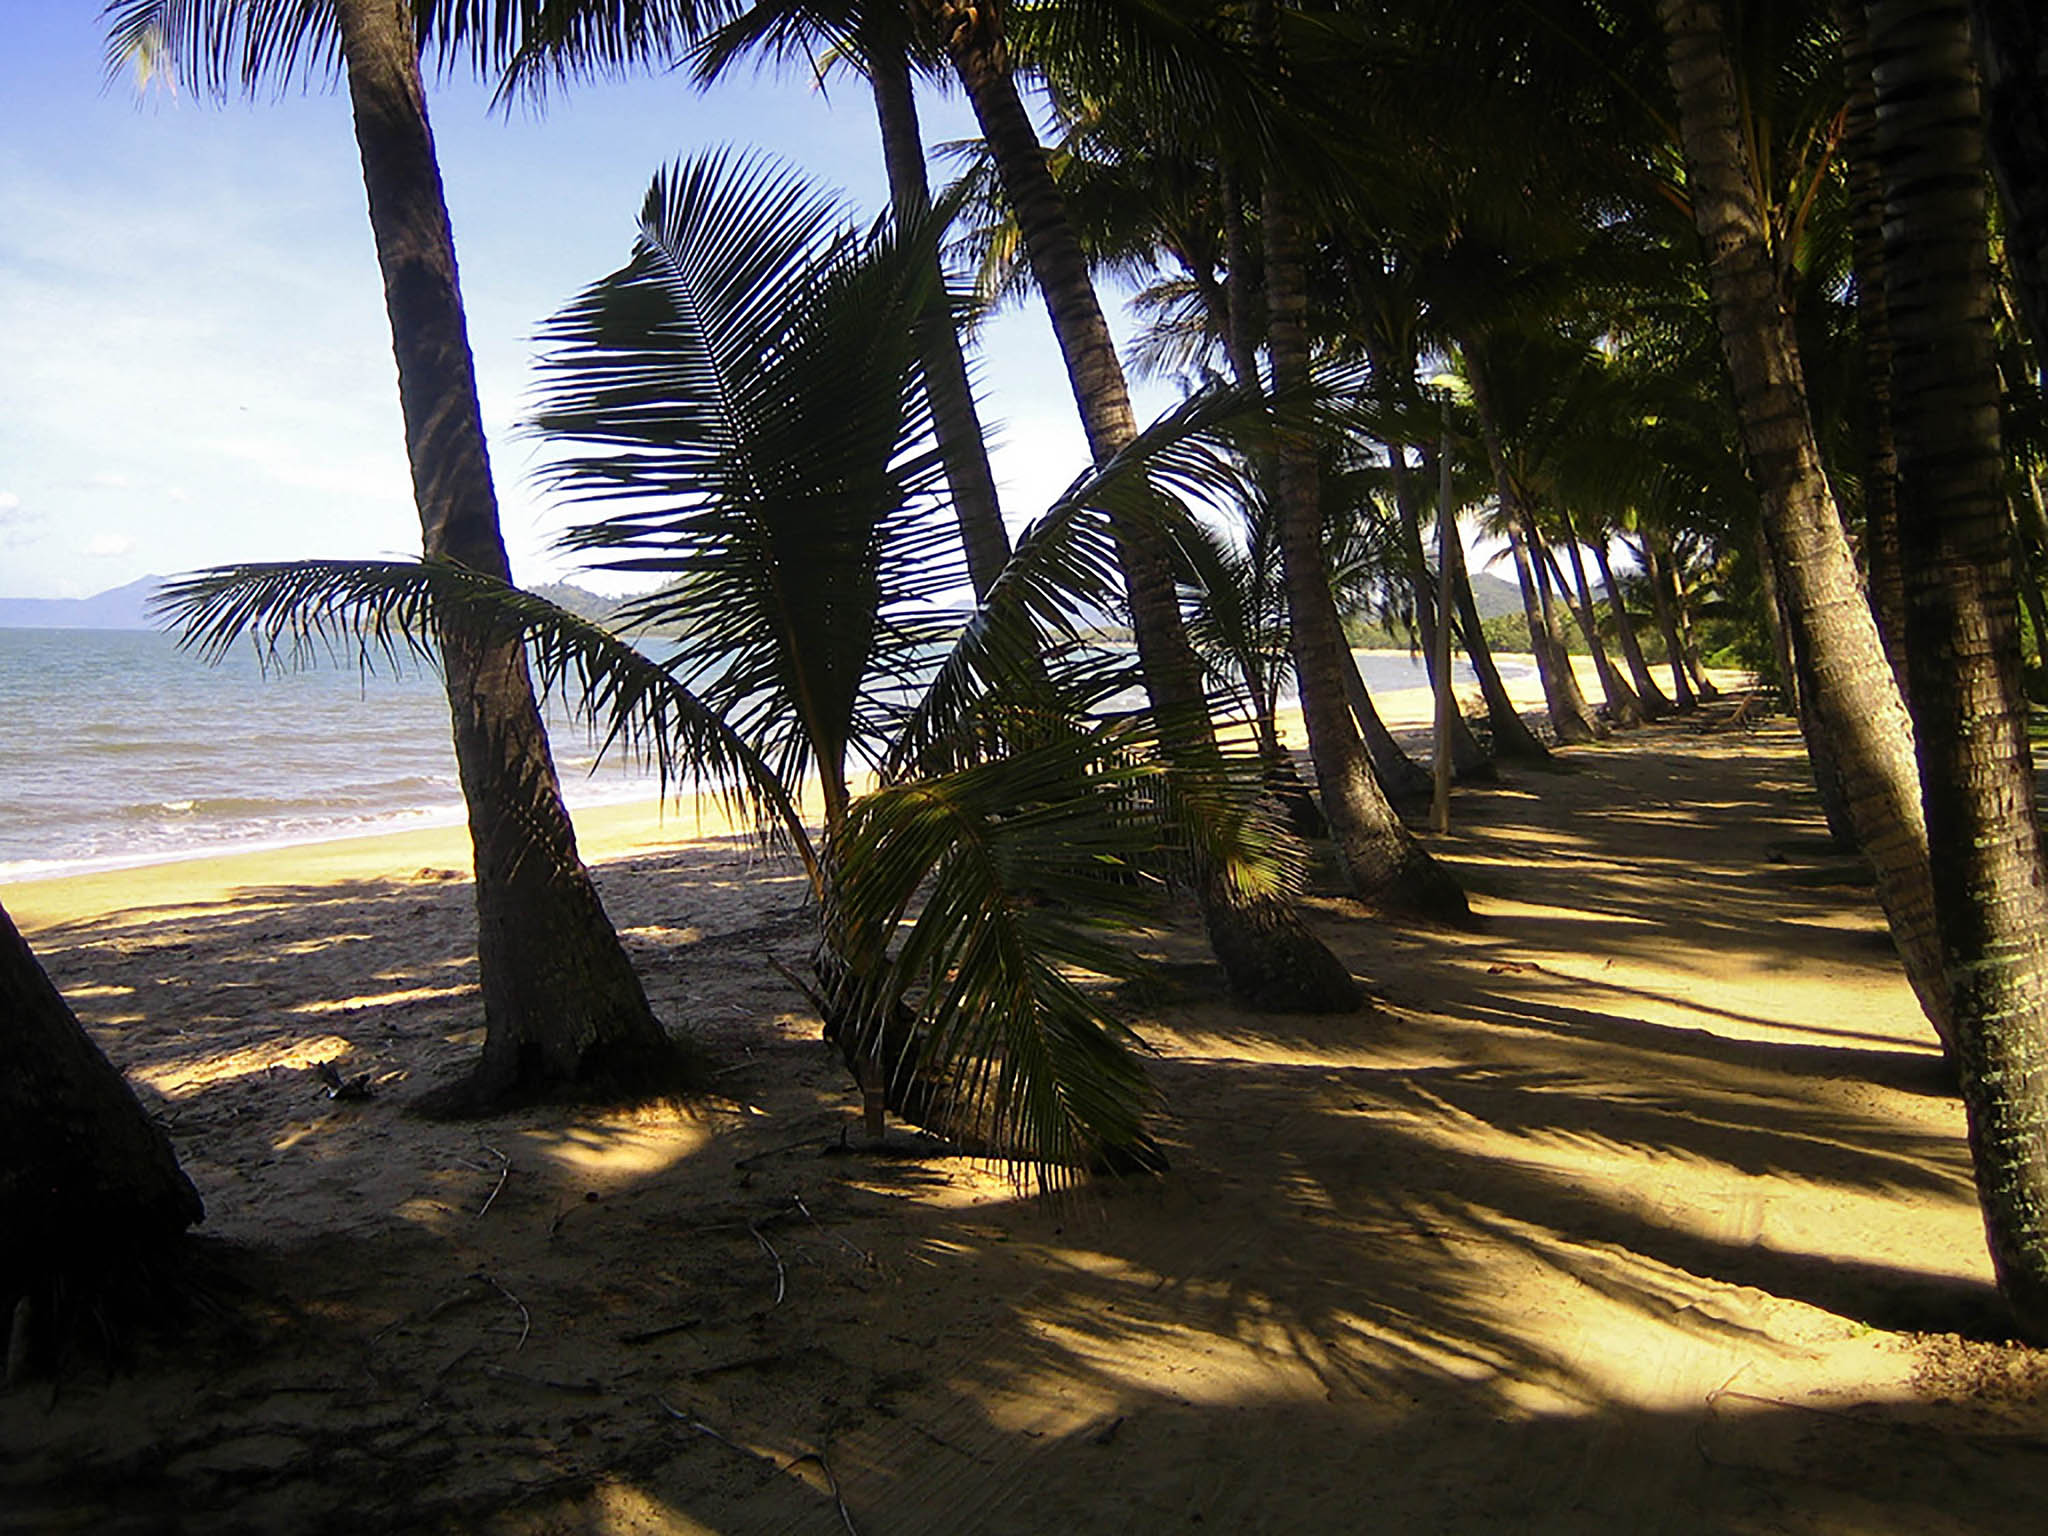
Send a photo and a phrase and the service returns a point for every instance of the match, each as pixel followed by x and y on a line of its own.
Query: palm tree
pixel 1269 957
pixel 562 1004
pixel 744 400
pixel 1854 695
pixel 90 1190
pixel 1991 883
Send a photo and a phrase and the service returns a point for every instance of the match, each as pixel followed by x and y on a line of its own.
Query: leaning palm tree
pixel 1962 625
pixel 1854 696
pixel 744 400
pixel 562 1004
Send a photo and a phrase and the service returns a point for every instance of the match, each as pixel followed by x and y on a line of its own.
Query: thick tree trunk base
pixel 609 1072
pixel 1271 962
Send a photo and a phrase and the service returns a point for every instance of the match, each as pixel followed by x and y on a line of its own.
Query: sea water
pixel 117 749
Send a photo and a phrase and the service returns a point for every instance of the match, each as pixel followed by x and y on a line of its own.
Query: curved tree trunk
pixel 1853 693
pixel 955 421
pixel 1866 223
pixel 1269 957
pixel 1667 626
pixel 1401 778
pixel 561 1002
pixel 1382 860
pixel 1512 737
pixel 1655 705
pixel 1623 707
pixel 1991 883
pixel 88 1182
pixel 1689 644
pixel 1468 758
pixel 1569 717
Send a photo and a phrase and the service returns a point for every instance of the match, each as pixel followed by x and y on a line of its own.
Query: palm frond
pixel 386 615
pixel 1014 868
pixel 752 380
pixel 218 47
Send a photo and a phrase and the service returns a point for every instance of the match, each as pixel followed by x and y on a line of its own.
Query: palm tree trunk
pixel 561 1001
pixel 1853 694
pixel 1512 737
pixel 1689 644
pixel 1667 626
pixel 955 421
pixel 1655 705
pixel 2012 43
pixel 1866 223
pixel 1268 956
pixel 1569 717
pixel 1962 631
pixel 1795 657
pixel 1401 778
pixel 1623 706
pixel 1991 883
pixel 1468 758
pixel 88 1182
pixel 1384 863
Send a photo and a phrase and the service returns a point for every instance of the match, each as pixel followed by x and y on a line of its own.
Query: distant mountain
pixel 121 608
pixel 128 607
pixel 1495 596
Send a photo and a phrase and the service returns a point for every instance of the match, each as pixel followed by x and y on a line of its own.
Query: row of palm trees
pixel 1699 270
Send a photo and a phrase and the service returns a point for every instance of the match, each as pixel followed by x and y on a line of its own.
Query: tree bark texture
pixel 955 421
pixel 1853 692
pixel 1655 705
pixel 1962 627
pixel 1623 707
pixel 1569 717
pixel 1270 959
pixel 86 1177
pixel 1384 863
pixel 561 1002
pixel 1512 737
pixel 1468 758
pixel 1667 625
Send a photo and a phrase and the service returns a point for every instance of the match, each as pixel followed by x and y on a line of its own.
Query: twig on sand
pixel 705 1429
pixel 832 1482
pixel 858 1252
pixel 525 1317
pixel 781 1273
pixel 504 1173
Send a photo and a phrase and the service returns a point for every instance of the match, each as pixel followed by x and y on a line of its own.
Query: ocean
pixel 119 749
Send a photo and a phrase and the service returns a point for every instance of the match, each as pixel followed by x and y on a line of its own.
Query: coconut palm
pixel 1857 702
pixel 745 401
pixel 562 1004
pixel 1962 624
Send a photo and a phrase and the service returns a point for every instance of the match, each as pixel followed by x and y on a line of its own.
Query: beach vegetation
pixel 745 396
pixel 564 1009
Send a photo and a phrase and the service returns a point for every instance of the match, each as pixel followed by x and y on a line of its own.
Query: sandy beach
pixel 1641 1207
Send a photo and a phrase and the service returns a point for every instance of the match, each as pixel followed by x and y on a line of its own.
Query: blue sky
pixel 194 362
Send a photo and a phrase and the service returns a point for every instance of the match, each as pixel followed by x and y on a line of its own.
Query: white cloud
pixel 9 505
pixel 109 546
pixel 111 480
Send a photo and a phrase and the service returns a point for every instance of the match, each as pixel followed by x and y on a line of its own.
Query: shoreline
pixel 196 880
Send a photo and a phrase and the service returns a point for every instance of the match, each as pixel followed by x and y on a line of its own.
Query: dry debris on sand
pixel 1642 1208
